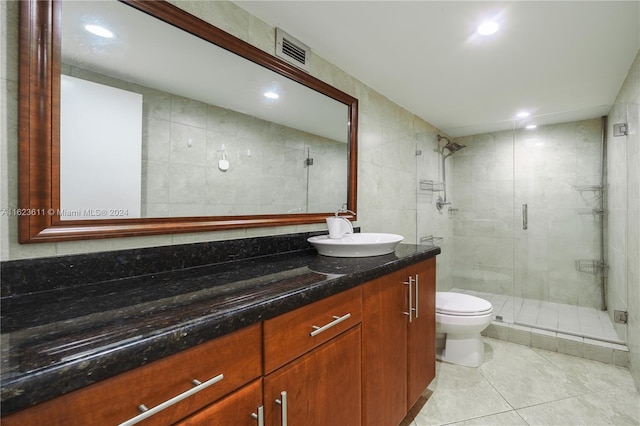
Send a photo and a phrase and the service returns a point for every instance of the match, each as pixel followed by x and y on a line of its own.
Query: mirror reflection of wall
pixel 268 168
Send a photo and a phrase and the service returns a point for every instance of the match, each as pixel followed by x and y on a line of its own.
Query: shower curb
pixel 582 347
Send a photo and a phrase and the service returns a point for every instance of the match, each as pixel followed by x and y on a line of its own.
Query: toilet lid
pixel 461 304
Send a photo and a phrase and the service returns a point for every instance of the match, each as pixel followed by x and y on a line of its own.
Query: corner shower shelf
pixel 430 240
pixel 592 188
pixel 431 186
pixel 593 267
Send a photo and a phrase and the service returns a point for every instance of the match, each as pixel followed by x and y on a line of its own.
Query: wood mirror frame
pixel 39 133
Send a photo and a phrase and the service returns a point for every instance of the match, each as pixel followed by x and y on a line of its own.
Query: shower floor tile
pixel 569 319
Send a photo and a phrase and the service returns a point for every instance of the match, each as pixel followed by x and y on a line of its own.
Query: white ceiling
pixel 560 60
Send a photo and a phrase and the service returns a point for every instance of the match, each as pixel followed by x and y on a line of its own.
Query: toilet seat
pixel 458 304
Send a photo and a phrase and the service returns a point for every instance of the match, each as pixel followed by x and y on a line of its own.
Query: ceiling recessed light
pixel 531 126
pixel 271 95
pixel 98 30
pixel 488 28
pixel 522 114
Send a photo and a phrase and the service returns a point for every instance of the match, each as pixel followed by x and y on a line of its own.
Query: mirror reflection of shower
pixel 452 147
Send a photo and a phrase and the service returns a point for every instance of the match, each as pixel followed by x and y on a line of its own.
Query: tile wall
pixel 183 140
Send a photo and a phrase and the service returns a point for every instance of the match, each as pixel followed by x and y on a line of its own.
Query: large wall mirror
pixel 166 124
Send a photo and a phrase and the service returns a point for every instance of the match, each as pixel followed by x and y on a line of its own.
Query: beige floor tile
pixel 612 407
pixel 523 377
pixel 459 393
pixel 596 376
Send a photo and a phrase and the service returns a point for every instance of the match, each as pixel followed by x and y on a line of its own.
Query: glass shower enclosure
pixel 532 224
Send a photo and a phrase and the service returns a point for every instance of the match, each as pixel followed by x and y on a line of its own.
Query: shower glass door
pixel 559 217
pixel 623 197
pixel 480 189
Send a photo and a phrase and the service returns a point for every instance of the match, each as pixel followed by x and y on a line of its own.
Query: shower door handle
pixel 525 217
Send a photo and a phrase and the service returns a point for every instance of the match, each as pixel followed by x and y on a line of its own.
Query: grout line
pixel 485 416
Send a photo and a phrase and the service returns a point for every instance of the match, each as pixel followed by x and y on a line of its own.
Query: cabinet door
pixel 384 339
pixel 421 357
pixel 233 410
pixel 322 387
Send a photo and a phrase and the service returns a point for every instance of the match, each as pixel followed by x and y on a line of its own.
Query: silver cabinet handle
pixel 525 217
pixel 260 416
pixel 336 320
pixel 411 308
pixel 148 412
pixel 417 292
pixel 282 402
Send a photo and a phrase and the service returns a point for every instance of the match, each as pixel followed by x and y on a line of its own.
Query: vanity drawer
pixel 295 333
pixel 237 357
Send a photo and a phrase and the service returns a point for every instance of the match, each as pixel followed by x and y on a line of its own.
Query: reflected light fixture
pixel 531 126
pixel 488 28
pixel 99 30
pixel 271 95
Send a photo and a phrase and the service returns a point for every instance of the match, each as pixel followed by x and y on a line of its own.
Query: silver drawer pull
pixel 411 308
pixel 148 412
pixel 282 402
pixel 336 320
pixel 260 416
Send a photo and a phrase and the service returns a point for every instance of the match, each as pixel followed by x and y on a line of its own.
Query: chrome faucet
pixel 343 210
pixel 336 230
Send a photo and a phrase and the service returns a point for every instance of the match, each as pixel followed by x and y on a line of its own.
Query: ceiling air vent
pixel 292 50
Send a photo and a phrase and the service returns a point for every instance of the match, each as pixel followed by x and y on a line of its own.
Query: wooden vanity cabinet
pixel 237 357
pixel 398 335
pixel 312 361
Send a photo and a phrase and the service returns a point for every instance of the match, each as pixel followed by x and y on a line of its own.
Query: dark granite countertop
pixel 64 335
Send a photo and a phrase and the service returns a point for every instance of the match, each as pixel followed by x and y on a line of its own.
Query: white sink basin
pixel 356 245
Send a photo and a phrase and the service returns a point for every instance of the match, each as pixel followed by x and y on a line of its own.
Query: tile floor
pixel 521 385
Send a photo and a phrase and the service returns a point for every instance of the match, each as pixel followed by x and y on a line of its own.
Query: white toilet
pixel 460 318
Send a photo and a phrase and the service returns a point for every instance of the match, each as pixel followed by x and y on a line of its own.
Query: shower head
pixel 451 146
